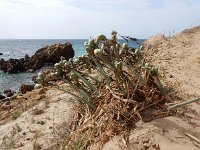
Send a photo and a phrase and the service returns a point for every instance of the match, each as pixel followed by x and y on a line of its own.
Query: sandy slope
pixel 178 59
pixel 162 134
pixel 40 125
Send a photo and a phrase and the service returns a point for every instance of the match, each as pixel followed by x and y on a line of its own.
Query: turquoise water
pixel 19 48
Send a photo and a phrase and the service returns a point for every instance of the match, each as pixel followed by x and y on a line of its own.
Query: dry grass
pixel 114 116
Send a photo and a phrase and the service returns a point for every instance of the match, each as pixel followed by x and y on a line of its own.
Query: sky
pixel 81 19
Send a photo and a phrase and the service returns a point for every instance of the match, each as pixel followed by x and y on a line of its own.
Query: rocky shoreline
pixel 45 55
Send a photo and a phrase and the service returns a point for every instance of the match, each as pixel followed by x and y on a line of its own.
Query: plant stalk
pixel 184 103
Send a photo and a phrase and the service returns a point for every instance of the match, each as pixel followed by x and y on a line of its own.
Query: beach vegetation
pixel 16 114
pixel 129 90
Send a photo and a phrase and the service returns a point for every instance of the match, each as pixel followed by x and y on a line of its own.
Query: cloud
pixel 84 18
pixel 109 5
pixel 37 3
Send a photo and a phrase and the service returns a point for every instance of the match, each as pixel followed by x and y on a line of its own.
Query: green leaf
pixel 86 82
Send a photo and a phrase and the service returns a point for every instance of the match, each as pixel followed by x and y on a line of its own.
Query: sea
pixel 18 48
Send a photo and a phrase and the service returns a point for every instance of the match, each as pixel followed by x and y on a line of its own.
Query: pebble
pixel 39 97
pixel 5 107
pixel 41 91
pixel 41 122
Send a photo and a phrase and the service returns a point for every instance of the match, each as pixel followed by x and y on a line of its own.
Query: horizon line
pixel 55 39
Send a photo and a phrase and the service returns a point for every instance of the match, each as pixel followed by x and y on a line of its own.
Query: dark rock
pixel 8 93
pixel 46 55
pixel 41 91
pixel 34 79
pixel 1 53
pixel 7 99
pixel 5 107
pixel 2 97
pixel 7 103
pixel 26 88
pixel 41 122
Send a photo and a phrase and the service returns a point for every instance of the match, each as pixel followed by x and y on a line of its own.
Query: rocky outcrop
pixel 26 88
pixel 2 97
pixel 8 93
pixel 45 55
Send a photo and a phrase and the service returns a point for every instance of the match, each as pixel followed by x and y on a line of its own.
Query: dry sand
pixel 178 58
pixel 41 126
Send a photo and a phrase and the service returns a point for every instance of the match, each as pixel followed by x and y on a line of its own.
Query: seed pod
pixel 147 65
pixel 66 64
pixel 62 64
pixel 114 37
pixel 117 47
pixel 112 48
pixel 52 74
pixel 124 46
pixel 102 46
pixel 120 51
pixel 39 80
pixel 98 52
pixel 76 60
pixel 137 51
pixel 88 48
pixel 154 71
pixel 62 58
pixel 57 65
pixel 57 73
pixel 71 60
pixel 99 38
pixel 41 75
pixel 90 51
pixel 64 61
pixel 73 76
pixel 141 47
pixel 118 65
pixel 86 44
pixel 113 33
pixel 37 86
pixel 91 43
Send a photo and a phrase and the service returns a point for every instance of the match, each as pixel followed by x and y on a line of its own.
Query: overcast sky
pixel 72 19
